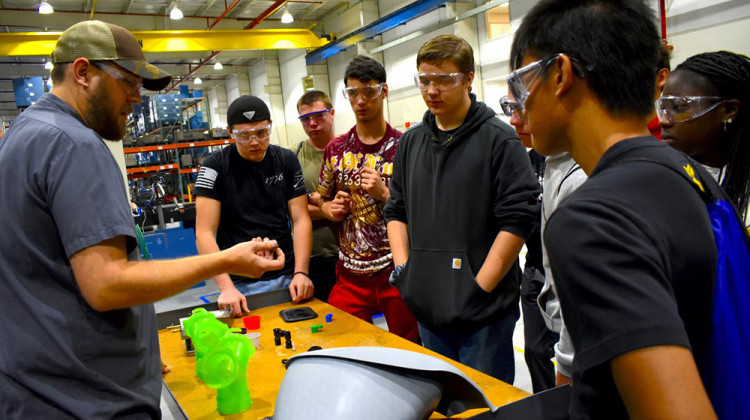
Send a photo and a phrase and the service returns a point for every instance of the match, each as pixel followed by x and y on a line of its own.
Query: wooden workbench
pixel 265 370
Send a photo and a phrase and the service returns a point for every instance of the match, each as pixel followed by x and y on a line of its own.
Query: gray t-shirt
pixel 325 241
pixel 61 192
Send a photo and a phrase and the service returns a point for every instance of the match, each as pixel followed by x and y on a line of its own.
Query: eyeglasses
pixel 367 92
pixel 521 79
pixel 679 109
pixel 316 116
pixel 441 81
pixel 509 106
pixel 130 84
pixel 260 134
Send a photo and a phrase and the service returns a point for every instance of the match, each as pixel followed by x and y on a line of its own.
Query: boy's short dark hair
pixel 665 55
pixel 618 38
pixel 313 96
pixel 364 69
pixel 448 48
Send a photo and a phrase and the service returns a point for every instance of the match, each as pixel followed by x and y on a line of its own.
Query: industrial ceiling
pixel 211 31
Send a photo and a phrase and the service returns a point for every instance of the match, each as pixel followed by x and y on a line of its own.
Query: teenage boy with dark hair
pixel 252 190
pixel 316 115
pixel 463 201
pixel 353 185
pixel 632 249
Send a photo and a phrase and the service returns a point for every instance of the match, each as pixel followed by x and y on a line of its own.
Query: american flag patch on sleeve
pixel 206 178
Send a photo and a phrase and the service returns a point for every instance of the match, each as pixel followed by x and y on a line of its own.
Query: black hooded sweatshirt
pixel 455 193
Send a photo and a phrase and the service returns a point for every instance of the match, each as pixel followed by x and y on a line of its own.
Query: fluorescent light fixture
pixel 218 66
pixel 198 81
pixel 48 65
pixel 45 8
pixel 287 17
pixel 175 13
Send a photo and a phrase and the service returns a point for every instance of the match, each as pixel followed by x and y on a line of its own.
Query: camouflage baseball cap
pixel 102 41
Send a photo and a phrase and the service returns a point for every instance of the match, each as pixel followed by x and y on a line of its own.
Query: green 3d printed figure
pixel 225 368
pixel 205 331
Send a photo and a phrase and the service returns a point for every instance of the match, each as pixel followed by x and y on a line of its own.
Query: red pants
pixel 365 300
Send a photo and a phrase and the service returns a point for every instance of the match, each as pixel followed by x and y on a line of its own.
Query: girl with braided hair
pixel 703 112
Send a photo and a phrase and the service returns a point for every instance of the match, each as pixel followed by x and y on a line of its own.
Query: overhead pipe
pixel 7 9
pixel 268 12
pixel 663 18
pixel 187 76
pixel 214 54
pixel 254 23
pixel 221 16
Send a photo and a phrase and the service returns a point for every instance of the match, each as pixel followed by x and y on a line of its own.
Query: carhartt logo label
pixel 456 263
pixel 249 114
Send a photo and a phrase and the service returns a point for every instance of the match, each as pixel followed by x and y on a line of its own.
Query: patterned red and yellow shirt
pixel 363 242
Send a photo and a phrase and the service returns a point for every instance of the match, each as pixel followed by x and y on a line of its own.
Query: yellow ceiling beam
pixel 42 43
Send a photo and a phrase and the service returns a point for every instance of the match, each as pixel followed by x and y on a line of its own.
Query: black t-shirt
pixel 633 255
pixel 254 198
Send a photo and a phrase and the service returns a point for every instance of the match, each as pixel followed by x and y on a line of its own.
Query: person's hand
pixel 234 300
pixel 269 255
pixel 373 184
pixel 561 379
pixel 247 261
pixel 301 288
pixel 314 199
pixel 340 205
pixel 165 368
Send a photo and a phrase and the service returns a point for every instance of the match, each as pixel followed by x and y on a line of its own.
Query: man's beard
pixel 102 118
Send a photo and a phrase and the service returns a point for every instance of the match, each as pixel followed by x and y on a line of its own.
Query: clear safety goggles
pixel 521 79
pixel 248 135
pixel 441 81
pixel 679 109
pixel 509 107
pixel 132 85
pixel 367 92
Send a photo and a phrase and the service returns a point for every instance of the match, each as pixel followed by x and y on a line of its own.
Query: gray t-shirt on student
pixel 61 192
pixel 325 241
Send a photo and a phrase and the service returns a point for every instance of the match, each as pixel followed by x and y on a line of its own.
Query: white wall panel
pixel 292 70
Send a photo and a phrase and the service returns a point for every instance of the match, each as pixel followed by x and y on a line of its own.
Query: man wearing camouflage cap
pixel 78 331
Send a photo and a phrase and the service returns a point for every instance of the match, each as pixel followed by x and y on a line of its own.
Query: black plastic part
pixel 298 314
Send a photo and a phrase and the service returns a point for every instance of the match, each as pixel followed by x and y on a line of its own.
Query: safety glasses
pixel 132 85
pixel 316 116
pixel 679 109
pixel 509 106
pixel 521 80
pixel 367 92
pixel 441 81
pixel 260 134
